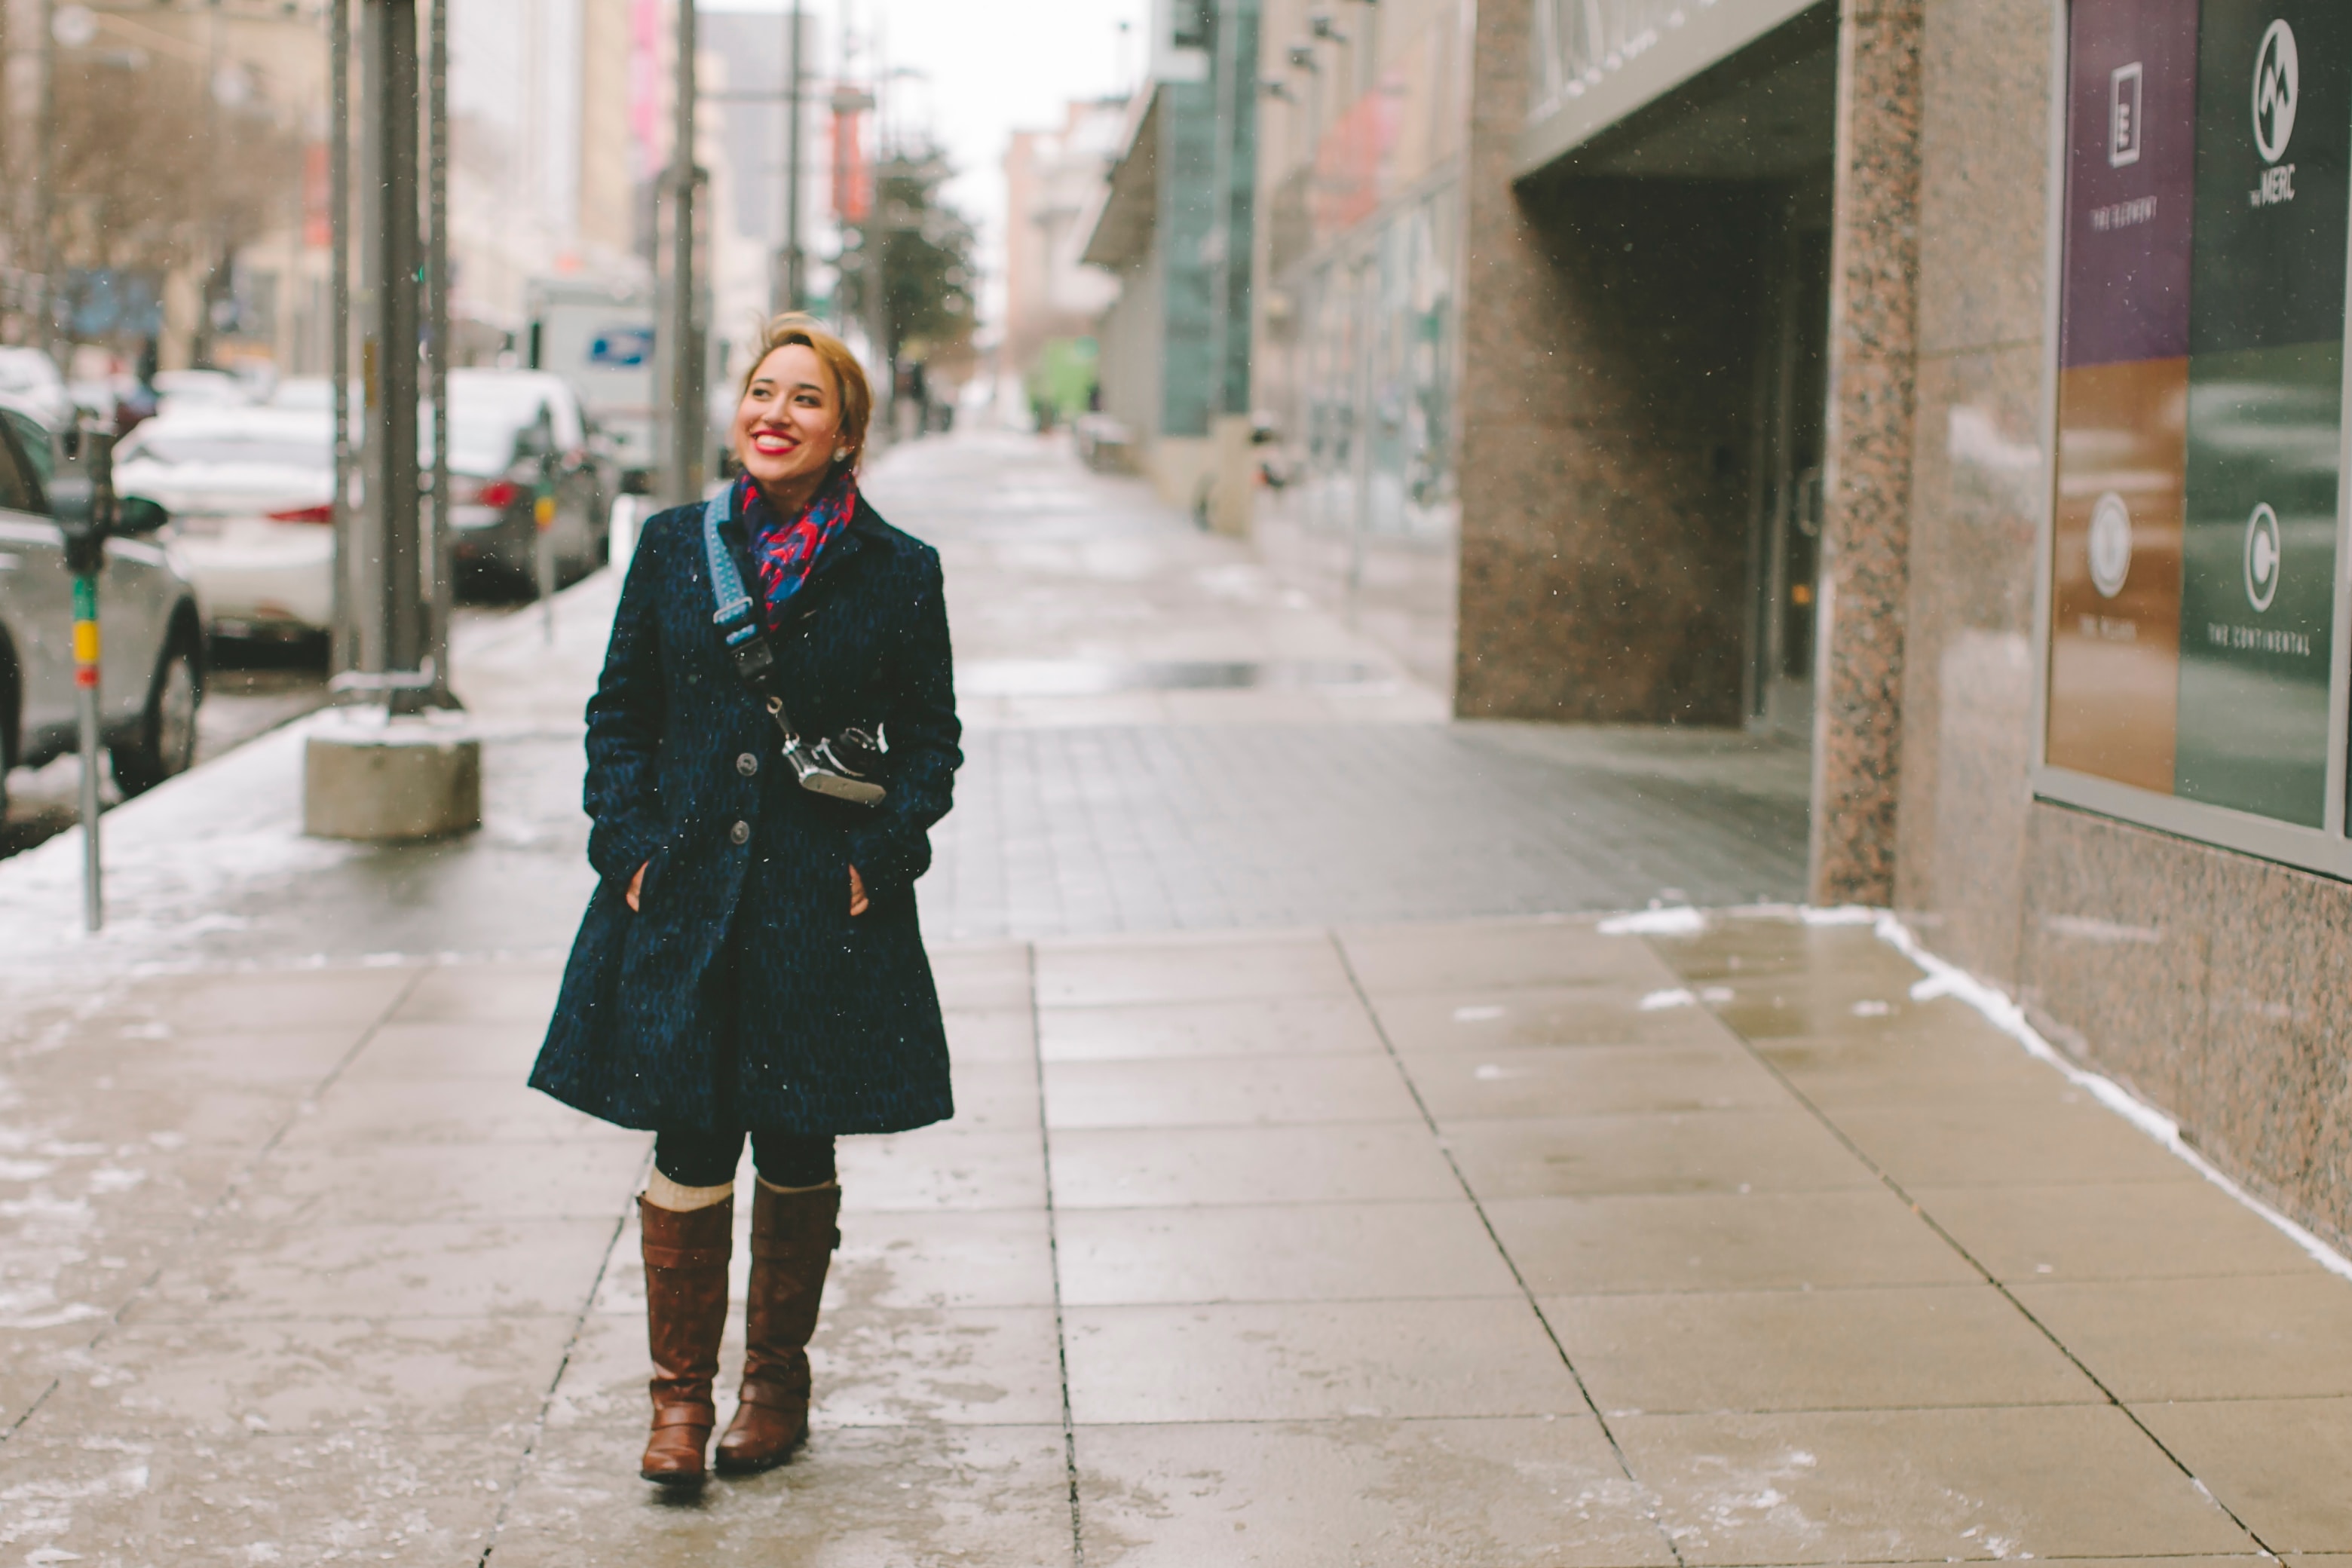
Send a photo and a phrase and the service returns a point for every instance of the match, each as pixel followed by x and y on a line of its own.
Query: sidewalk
pixel 1271 1228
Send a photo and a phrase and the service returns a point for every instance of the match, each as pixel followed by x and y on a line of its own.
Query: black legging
pixel 709 1159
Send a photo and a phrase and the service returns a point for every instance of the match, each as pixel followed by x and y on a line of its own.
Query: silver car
pixel 251 494
pixel 150 671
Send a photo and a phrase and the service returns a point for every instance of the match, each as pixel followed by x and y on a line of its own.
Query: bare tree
pixel 156 174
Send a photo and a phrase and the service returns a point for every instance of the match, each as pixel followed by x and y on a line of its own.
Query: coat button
pixel 747 765
pixel 740 832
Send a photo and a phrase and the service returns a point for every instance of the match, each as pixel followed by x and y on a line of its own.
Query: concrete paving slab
pixel 440 1110
pixel 1589 1080
pixel 1869 1069
pixel 1907 1348
pixel 309 1183
pixel 943 1167
pixel 442 1269
pixel 981 974
pixel 1773 1008
pixel 861 1498
pixel 2067 1138
pixel 995 1095
pixel 1394 1161
pixel 1313 1360
pixel 2278 1464
pixel 1727 1151
pixel 1229 1091
pixel 1920 1486
pixel 1279 1252
pixel 1487 1019
pixel 1189 968
pixel 1752 947
pixel 1793 1241
pixel 2124 1230
pixel 1270 1025
pixel 123 1111
pixel 255 1001
pixel 64 1282
pixel 320 1378
pixel 152 1051
pixel 1516 1493
pixel 365 1495
pixel 497 1053
pixel 509 992
pixel 995 1257
pixel 2246 1337
pixel 965 1366
pixel 1399 959
pixel 993 1035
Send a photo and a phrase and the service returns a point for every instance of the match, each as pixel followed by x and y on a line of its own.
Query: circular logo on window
pixel 2263 563
pixel 2277 85
pixel 2110 544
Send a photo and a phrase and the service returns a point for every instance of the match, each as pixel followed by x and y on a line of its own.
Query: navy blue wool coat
pixel 742 993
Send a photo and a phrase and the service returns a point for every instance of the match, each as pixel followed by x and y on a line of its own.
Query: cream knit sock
pixel 665 1193
pixel 771 1186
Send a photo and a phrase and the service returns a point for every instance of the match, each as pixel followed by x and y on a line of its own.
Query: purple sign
pixel 2131 145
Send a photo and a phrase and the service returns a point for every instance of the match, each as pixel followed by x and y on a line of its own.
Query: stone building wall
pixel 2211 981
pixel 1605 406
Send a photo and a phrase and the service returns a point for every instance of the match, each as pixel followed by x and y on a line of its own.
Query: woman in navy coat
pixel 751 961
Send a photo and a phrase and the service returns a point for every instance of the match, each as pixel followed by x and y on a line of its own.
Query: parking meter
pixel 81 499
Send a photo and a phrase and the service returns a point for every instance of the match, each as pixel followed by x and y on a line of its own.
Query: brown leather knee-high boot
pixel 792 1238
pixel 686 1313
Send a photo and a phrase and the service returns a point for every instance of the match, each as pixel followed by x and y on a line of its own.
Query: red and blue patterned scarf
pixel 786 553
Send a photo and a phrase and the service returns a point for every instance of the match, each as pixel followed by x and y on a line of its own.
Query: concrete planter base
pixel 371 778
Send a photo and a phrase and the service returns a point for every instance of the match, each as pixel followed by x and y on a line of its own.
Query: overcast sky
pixel 988 70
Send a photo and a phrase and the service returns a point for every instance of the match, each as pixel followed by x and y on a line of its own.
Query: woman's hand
pixel 858 903
pixel 637 886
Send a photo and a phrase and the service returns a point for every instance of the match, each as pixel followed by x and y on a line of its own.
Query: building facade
pixel 1053 300
pixel 1360 155
pixel 1176 226
pixel 1953 387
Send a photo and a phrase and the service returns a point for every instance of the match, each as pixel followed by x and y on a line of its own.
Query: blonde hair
pixel 848 376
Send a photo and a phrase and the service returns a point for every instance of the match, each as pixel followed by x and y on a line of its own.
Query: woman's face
pixel 789 422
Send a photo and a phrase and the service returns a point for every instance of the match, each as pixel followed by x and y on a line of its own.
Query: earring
pixel 841 454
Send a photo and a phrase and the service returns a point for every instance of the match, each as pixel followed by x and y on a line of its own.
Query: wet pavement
pixel 251 687
pixel 1314 1197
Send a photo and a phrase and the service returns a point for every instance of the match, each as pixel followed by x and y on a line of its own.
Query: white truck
pixel 599 337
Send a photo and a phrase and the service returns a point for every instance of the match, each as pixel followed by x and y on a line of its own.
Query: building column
pixel 1865 527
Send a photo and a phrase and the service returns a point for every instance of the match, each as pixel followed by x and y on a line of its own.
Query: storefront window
pixel 1377 354
pixel 2193 638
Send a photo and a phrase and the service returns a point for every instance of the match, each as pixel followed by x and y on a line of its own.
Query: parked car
pixel 250 492
pixel 509 431
pixel 181 390
pixel 31 380
pixel 151 668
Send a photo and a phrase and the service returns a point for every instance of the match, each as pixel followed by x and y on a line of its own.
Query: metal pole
pixel 436 304
pixel 793 286
pixel 86 662
pixel 345 634
pixel 398 608
pixel 687 416
pixel 43 176
pixel 84 498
